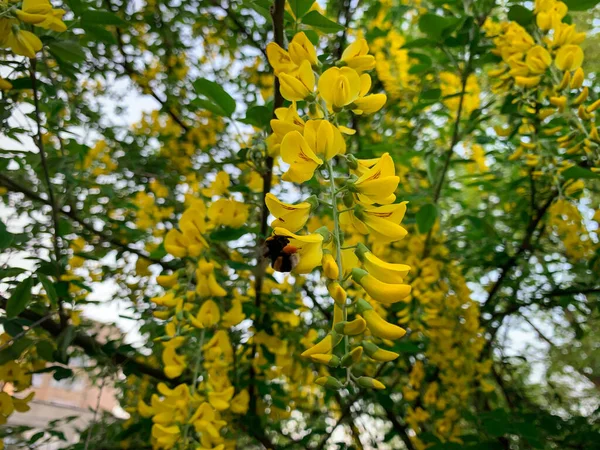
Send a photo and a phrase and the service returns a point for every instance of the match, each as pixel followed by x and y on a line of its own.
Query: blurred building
pixel 69 403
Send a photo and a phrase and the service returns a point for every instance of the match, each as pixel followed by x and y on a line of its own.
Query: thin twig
pixel 51 199
pixel 24 332
pixel 93 422
pixel 71 214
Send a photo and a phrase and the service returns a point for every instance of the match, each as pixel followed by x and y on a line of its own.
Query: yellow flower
pixel 228 212
pixel 376 324
pixel 538 59
pixel 564 34
pixel 288 216
pixel 297 85
pixel 377 184
pixel 207 285
pixel 167 281
pixel 324 139
pixel 204 420
pixel 379 290
pixel 352 328
pixel 380 222
pixel 145 410
pixel 220 400
pixel 235 315
pixel 378 354
pixel 527 82
pixel 40 13
pixel 169 300
pixel 166 437
pixel 279 59
pixel 330 266
pixel 324 346
pixel 549 12
pixel 240 403
pixel 383 271
pixel 309 249
pixel 303 162
pixel 22 404
pixel 367 104
pixel 208 315
pixel 5 85
pixel 22 42
pixel 301 49
pixel 174 364
pixel 368 382
pixel 356 56
pixel 569 57
pixel 287 120
pixel 6 404
pixel 218 187
pixel 339 87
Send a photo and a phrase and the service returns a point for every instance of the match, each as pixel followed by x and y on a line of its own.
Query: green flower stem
pixel 338 244
pixel 197 365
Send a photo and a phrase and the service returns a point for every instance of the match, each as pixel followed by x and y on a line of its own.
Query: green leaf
pixel 216 94
pixel 21 83
pixel 100 33
pixel 48 287
pixel 10 272
pixel 228 234
pixel 45 350
pixel 431 95
pixel 20 298
pixel 6 238
pixel 63 342
pixel 68 51
pixel 576 172
pixel 426 217
pixel 316 20
pixel 258 116
pixel 521 15
pixel 436 26
pixel 300 7
pixel 95 17
pixel 581 5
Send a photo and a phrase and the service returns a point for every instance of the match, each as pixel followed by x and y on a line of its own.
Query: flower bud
pixel 338 293
pixel 352 162
pixel 378 354
pixel 330 266
pixel 352 357
pixel 329 382
pixel 578 78
pixel 357 326
pixel 167 281
pixel 330 360
pixel 348 199
pixel 368 382
pixel 323 231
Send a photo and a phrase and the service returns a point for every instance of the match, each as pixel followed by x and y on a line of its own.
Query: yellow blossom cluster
pixel 15 377
pixel 548 58
pixel 35 12
pixel 362 202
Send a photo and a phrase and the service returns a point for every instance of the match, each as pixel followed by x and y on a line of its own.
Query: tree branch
pixel 512 261
pixel 71 214
pixel 92 347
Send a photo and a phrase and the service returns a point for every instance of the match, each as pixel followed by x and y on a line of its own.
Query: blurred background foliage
pixel 503 351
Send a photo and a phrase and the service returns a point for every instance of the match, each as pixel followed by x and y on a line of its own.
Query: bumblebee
pixel 284 256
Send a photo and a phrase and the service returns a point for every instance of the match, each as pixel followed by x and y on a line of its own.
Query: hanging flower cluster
pixel 14 17
pixel 308 135
pixel 195 314
pixel 547 57
pixel 15 377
